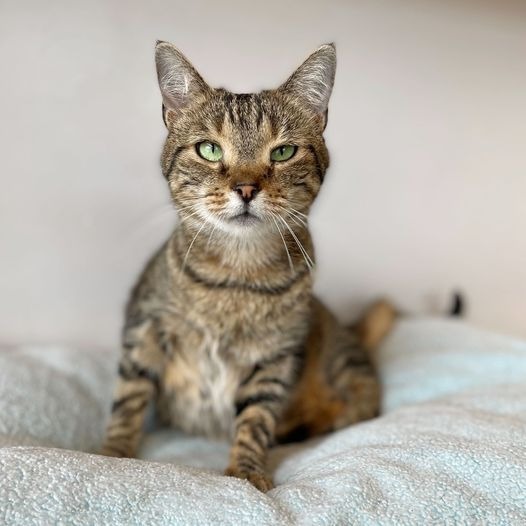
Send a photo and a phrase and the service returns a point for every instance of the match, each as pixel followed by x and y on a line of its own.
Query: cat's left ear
pixel 312 82
pixel 178 79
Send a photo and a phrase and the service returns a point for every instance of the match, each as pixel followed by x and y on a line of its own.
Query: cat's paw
pixel 116 450
pixel 259 479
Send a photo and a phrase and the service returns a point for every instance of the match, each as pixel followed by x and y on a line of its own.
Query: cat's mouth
pixel 245 218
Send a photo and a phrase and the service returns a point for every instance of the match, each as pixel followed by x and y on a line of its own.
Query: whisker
pixel 300 213
pixel 302 221
pixel 187 205
pixel 210 236
pixel 284 243
pixel 192 244
pixel 305 254
pixel 151 214
pixel 186 217
pixel 181 210
pixel 298 220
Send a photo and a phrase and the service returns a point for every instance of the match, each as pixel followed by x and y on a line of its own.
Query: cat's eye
pixel 283 152
pixel 209 151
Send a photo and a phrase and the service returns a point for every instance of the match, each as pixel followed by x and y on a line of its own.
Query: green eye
pixel 209 151
pixel 283 152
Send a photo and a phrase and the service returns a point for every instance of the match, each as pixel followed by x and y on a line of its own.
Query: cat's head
pixel 245 162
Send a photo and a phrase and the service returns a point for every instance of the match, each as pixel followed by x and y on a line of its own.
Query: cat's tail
pixel 380 317
pixel 374 325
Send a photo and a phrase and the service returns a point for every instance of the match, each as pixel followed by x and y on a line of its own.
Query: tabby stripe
pixel 126 399
pixel 319 171
pixel 253 373
pixel 190 178
pixel 248 447
pixel 121 426
pixel 307 187
pixel 274 380
pixel 258 432
pixel 296 353
pixel 178 150
pixel 296 356
pixel 128 412
pixel 259 114
pixel 189 183
pixel 133 321
pixel 167 341
pixel 182 171
pixel 247 464
pixel 137 372
pixel 249 287
pixel 354 360
pixel 121 436
pixel 165 347
pixel 260 398
pixel 164 110
pixel 229 103
pixel 263 431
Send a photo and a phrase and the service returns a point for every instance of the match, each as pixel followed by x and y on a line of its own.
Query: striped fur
pixel 222 330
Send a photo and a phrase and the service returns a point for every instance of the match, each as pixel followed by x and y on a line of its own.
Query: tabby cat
pixel 222 329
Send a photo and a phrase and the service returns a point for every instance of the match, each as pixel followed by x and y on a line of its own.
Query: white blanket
pixel 449 449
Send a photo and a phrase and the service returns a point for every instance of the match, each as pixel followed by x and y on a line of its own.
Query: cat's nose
pixel 247 191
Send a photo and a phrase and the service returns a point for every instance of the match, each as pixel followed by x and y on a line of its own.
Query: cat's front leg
pixel 139 372
pixel 260 402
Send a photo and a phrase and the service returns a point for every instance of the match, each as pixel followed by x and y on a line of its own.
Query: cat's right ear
pixel 178 80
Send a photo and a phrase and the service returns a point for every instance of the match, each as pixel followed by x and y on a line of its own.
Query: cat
pixel 222 329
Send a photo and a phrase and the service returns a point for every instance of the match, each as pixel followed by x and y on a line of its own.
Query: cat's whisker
pixel 302 221
pixel 192 244
pixel 188 205
pixel 298 220
pixel 150 215
pixel 291 264
pixel 186 217
pixel 183 208
pixel 305 254
pixel 299 213
pixel 210 236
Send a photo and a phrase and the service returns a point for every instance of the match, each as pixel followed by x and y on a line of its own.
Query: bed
pixel 449 447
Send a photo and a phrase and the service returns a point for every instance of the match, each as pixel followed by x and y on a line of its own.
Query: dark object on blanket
pixel 458 305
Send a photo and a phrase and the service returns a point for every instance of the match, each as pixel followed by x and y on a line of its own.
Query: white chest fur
pixel 199 390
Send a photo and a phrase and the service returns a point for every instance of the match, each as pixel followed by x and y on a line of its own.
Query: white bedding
pixel 449 449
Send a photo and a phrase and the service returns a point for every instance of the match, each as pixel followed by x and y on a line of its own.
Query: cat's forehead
pixel 251 121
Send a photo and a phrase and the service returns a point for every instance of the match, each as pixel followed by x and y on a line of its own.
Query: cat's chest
pixel 199 388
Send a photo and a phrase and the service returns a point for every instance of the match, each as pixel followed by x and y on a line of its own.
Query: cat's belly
pixel 198 392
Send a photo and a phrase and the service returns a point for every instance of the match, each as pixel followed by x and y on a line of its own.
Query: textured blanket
pixel 450 447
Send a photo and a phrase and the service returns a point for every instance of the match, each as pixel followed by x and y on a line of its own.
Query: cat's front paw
pixel 110 449
pixel 258 479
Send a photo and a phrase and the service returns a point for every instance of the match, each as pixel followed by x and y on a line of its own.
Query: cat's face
pixel 245 163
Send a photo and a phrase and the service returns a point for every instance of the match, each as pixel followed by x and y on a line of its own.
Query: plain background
pixel 427 128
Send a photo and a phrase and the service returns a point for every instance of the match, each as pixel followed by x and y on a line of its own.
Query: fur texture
pixel 222 329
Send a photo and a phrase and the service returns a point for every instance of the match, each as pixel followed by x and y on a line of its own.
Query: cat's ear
pixel 178 80
pixel 312 82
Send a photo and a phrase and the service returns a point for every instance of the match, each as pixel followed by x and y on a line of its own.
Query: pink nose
pixel 247 191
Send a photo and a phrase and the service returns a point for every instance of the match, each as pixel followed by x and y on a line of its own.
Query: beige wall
pixel 427 130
